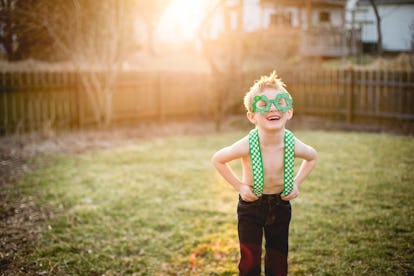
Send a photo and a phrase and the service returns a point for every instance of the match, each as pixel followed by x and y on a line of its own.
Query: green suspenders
pixel 289 163
pixel 257 163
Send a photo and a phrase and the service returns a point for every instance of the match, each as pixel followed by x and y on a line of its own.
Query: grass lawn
pixel 158 207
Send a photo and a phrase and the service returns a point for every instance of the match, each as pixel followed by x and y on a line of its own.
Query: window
pixel 281 19
pixel 324 17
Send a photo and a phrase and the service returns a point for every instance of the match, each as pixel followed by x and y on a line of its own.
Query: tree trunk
pixel 374 6
pixel 150 38
pixel 6 37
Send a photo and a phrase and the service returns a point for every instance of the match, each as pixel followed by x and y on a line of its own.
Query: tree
pixel 224 54
pixel 151 12
pixel 94 36
pixel 20 38
pixel 7 25
pixel 412 36
pixel 378 17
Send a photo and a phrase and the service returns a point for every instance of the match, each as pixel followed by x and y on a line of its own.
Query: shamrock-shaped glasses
pixel 282 102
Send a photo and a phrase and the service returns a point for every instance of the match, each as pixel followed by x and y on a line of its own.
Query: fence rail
pixel 32 101
pixel 355 96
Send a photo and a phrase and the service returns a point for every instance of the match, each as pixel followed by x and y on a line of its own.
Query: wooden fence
pixel 32 101
pixel 355 96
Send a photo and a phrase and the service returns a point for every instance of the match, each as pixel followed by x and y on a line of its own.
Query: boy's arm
pixel 309 156
pixel 221 159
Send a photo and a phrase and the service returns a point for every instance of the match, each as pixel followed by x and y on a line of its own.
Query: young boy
pixel 267 182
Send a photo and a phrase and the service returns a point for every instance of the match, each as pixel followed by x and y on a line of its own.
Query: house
pixel 397 24
pixel 318 24
pixel 304 14
pixel 308 27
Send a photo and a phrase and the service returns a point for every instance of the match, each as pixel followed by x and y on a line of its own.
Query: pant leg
pixel 250 229
pixel 277 239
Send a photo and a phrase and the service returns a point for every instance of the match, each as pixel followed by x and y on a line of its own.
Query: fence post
pixel 349 95
pixel 161 106
pixel 79 99
pixel 218 99
pixel 4 125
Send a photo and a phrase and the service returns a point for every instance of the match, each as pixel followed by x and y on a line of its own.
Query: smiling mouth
pixel 273 118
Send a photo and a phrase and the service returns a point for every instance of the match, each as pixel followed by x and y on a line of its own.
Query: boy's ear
pixel 290 114
pixel 250 117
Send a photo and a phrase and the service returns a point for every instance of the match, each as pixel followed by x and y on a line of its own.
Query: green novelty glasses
pixel 282 102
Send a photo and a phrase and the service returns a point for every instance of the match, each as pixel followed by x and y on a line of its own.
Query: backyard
pixel 155 206
pixel 110 112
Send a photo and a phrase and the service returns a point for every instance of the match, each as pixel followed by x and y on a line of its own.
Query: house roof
pixel 385 2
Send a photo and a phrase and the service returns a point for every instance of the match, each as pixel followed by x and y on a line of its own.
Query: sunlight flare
pixel 181 19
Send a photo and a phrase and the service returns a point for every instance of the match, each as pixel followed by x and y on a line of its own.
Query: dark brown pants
pixel 269 215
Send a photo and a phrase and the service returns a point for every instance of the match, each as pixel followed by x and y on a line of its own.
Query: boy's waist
pixel 269 198
pixel 276 195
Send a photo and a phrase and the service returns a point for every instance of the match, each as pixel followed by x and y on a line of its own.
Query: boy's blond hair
pixel 271 81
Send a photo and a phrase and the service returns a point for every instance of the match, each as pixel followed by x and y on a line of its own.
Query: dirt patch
pixel 21 220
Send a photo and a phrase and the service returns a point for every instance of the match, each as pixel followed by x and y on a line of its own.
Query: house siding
pixel 397 25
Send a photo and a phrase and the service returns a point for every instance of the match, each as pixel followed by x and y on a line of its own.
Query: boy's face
pixel 271 109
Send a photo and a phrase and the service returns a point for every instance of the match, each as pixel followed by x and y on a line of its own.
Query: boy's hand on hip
pixel 294 194
pixel 247 194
